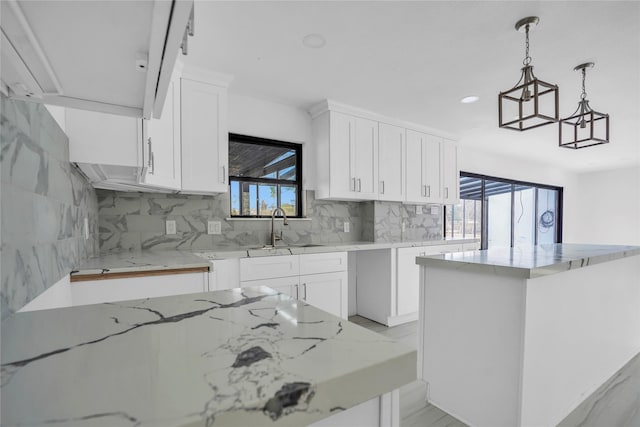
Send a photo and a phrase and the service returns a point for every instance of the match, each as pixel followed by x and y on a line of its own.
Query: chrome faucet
pixel 274 236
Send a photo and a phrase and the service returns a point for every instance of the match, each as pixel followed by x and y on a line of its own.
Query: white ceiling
pixel 415 61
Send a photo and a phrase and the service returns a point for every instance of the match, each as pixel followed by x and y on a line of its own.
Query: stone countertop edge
pixel 254 356
pixel 470 261
pixel 150 260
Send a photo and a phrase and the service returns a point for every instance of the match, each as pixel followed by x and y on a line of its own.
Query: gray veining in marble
pixel 136 221
pixel 531 261
pixel 249 357
pixel 44 201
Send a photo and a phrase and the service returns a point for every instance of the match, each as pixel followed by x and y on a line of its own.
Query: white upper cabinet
pixel 450 174
pixel 423 168
pixel 113 57
pixel 391 162
pixel 205 139
pixel 162 144
pixel 364 156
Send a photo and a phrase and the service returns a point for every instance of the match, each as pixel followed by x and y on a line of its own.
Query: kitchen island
pixel 521 336
pixel 244 357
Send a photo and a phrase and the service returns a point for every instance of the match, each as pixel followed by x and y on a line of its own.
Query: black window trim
pixel 246 139
pixel 513 182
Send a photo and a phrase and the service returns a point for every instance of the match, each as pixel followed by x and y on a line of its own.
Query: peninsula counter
pixel 521 336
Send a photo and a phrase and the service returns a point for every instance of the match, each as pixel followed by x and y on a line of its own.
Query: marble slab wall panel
pixel 418 225
pixel 134 221
pixel 43 201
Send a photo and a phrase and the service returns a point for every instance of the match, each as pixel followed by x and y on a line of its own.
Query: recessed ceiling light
pixel 470 99
pixel 314 41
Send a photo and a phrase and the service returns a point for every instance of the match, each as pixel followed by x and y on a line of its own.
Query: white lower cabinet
pixel 224 274
pixel 318 279
pixel 131 288
pixel 388 281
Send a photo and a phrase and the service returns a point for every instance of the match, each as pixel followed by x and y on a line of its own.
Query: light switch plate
pixel 171 226
pixel 214 227
pixel 418 209
pixel 346 226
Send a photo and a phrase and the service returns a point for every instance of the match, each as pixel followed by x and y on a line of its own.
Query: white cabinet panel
pixel 224 274
pixel 205 139
pixel 391 162
pixel 162 144
pixel 408 280
pixel 323 263
pixel 450 174
pixel 269 267
pixel 110 290
pixel 365 159
pixel 286 285
pixel 327 292
pixel 423 168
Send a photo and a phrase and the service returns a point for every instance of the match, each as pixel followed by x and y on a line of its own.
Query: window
pixel 503 212
pixel 264 175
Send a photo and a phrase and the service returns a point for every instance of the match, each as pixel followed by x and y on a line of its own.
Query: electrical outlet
pixel 346 226
pixel 171 226
pixel 86 228
pixel 418 209
pixel 214 227
pixel 435 210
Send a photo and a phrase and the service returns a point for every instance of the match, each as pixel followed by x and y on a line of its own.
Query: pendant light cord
pixel 584 91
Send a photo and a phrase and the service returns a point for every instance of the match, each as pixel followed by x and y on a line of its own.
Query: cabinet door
pixel 326 291
pixel 431 169
pixel 110 290
pixel 391 153
pixel 450 174
pixel 414 165
pixel 408 280
pixel 365 158
pixel 341 145
pixel 205 140
pixel 224 274
pixel 162 144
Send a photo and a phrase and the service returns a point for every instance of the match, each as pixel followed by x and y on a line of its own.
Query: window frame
pixel 246 139
pixel 483 207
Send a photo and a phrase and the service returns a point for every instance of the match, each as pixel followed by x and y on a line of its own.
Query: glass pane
pixel 470 226
pixel 498 199
pixel 267 199
pixel 524 211
pixel 546 224
pixel 235 198
pixel 261 161
pixel 252 199
pixel 288 199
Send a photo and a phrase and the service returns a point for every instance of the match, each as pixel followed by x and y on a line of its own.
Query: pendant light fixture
pixel 585 127
pixel 531 103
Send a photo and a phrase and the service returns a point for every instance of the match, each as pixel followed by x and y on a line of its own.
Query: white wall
pixel 608 203
pixel 268 119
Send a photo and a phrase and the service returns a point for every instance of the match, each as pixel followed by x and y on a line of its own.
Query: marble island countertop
pixel 249 357
pixel 150 260
pixel 533 261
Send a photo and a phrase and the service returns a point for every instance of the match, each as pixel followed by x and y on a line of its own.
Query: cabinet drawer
pixel 286 285
pixel 323 263
pixel 269 267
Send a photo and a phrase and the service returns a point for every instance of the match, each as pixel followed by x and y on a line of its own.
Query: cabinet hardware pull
pixel 150 151
pixel 153 164
pixel 353 186
pixel 446 192
pixel 424 191
pixel 304 286
pixel 297 292
pixel 224 174
pixel 359 185
pixel 382 187
pixel 191 28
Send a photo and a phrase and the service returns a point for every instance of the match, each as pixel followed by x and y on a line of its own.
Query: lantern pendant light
pixel 585 127
pixel 531 103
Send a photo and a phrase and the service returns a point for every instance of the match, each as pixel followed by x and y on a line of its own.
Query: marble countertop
pixel 173 259
pixel 243 357
pixel 530 262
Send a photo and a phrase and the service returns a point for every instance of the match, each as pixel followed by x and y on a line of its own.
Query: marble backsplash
pixel 44 201
pixel 136 221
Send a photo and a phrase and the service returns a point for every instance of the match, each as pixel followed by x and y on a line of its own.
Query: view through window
pixel 504 213
pixel 264 175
